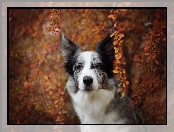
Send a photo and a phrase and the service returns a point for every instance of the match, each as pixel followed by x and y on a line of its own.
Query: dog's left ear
pixel 106 47
pixel 106 50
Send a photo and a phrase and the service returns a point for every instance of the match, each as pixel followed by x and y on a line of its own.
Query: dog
pixel 93 86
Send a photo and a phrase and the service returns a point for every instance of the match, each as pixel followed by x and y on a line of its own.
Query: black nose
pixel 87 80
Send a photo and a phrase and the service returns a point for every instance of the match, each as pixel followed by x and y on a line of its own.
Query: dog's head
pixel 90 70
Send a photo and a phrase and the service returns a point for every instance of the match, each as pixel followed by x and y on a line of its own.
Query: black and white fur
pixel 93 86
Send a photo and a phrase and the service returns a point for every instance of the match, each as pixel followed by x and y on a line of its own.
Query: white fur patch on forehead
pixel 85 57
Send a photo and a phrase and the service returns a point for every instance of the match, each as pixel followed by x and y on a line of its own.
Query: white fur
pixel 91 106
pixel 87 71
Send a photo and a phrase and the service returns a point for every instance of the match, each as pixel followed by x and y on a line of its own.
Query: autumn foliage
pixel 140 46
pixel 36 75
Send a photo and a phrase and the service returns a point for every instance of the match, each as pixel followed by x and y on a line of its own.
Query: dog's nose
pixel 87 80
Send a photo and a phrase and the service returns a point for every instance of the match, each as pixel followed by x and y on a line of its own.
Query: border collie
pixel 92 85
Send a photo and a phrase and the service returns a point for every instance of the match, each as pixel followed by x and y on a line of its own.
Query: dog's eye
pixel 79 67
pixel 97 66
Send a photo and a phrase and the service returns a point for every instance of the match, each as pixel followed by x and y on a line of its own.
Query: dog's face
pixel 90 70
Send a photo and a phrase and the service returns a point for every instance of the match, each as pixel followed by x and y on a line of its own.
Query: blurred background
pixel 36 77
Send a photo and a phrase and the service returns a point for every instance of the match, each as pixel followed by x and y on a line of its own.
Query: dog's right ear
pixel 68 48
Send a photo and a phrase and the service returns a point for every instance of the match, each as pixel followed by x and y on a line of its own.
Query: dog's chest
pixel 100 119
pixel 92 109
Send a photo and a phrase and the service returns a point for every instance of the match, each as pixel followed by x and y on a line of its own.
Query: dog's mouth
pixel 86 89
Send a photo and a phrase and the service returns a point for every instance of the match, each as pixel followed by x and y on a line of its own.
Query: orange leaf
pixel 116 67
pixel 154 55
pixel 115 42
pixel 50 92
pixel 56 101
pixel 62 93
pixel 40 73
pixel 32 65
pixel 45 77
pixel 164 38
pixel 147 54
pixel 26 84
pixel 58 56
pixel 121 35
pixel 116 71
pixel 45 46
pixel 116 49
pixel 124 85
pixel 112 16
pixel 39 57
pixel 59 84
pixel 136 58
pixel 122 94
pixel 127 82
pixel 147 47
pixel 118 56
pixel 119 89
pixel 112 34
pixel 151 32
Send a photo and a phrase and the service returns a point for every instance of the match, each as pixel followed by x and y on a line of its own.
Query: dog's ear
pixel 68 48
pixel 106 50
pixel 106 47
